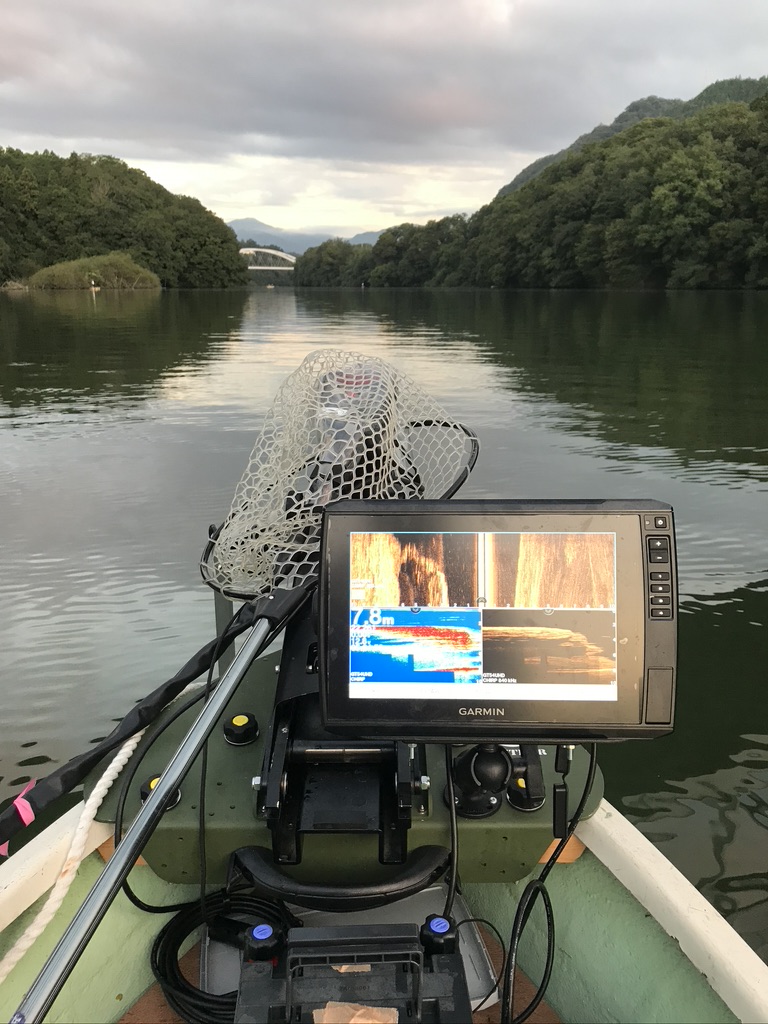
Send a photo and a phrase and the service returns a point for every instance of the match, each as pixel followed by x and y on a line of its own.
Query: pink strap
pixel 24 810
pixel 23 806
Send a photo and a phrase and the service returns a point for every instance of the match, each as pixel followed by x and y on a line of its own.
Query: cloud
pixel 396 84
pixel 342 197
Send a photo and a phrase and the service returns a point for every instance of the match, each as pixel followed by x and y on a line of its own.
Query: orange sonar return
pixel 458 639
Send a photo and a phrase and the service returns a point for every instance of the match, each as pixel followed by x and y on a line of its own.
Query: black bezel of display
pixel 646 647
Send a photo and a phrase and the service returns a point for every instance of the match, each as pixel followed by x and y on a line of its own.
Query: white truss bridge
pixel 268 259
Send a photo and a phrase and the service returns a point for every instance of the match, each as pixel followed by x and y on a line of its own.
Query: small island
pixel 116 270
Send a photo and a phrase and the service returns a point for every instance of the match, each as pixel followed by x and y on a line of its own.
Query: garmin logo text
pixel 482 711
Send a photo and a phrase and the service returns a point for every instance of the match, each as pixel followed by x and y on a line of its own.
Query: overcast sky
pixel 350 115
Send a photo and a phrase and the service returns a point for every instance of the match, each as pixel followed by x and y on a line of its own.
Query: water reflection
pixel 125 426
pixel 73 349
pixel 701 794
pixel 681 370
pixel 713 827
pixel 723 651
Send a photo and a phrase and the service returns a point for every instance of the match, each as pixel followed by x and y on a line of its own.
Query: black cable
pixel 591 771
pixel 138 758
pixel 454 868
pixel 497 933
pixel 524 907
pixel 528 899
pixel 201 852
pixel 190 1003
pixel 130 773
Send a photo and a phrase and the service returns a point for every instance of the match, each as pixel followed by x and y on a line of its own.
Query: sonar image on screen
pixel 514 616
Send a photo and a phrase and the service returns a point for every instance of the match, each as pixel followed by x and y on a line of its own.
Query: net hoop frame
pixel 342 425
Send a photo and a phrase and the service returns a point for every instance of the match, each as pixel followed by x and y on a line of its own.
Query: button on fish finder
pixel 658 549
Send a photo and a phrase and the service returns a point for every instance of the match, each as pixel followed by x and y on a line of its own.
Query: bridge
pixel 268 259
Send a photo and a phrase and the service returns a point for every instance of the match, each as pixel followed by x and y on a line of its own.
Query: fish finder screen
pixel 508 616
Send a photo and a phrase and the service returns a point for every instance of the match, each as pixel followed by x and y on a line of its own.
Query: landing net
pixel 343 425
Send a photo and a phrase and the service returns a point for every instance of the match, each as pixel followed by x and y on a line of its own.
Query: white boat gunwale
pixel 731 968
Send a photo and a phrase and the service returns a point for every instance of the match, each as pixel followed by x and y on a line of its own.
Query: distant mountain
pixel 728 90
pixel 295 242
pixel 365 238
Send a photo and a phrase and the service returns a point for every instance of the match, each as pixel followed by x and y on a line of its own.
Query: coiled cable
pixel 189 1002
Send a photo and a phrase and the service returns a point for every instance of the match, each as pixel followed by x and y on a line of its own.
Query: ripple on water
pixel 715 828
pixel 110 477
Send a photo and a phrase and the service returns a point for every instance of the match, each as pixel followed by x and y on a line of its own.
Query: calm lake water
pixel 127 420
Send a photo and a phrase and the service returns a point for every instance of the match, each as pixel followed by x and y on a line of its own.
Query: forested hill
pixel 664 204
pixel 64 208
pixel 742 90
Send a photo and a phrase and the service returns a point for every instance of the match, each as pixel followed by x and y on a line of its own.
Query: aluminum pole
pixel 70 946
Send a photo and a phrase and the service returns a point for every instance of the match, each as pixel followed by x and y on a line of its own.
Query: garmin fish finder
pixel 504 621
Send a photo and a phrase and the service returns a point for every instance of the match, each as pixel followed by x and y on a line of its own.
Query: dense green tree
pixel 5 260
pixel 324 265
pixel 55 209
pixel 668 203
pixel 741 90
pixel 357 271
pixel 405 255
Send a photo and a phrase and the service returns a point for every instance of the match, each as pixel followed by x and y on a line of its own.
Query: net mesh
pixel 343 425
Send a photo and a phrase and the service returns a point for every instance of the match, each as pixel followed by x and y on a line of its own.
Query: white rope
pixel 72 860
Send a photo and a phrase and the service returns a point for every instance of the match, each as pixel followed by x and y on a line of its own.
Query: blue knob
pixel 439 925
pixel 262 931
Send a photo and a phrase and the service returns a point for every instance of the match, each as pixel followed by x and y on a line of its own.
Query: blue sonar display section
pixel 415 645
